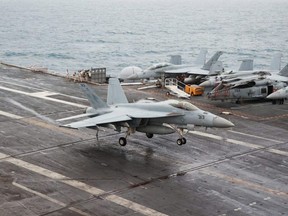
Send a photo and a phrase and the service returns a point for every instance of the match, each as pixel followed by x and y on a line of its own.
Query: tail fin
pixel 276 62
pixel 95 101
pixel 201 58
pixel 176 59
pixel 115 94
pixel 284 71
pixel 246 65
pixel 216 68
pixel 212 60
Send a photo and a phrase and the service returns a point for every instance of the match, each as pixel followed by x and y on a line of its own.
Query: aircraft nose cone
pixel 206 83
pixel 222 123
pixel 274 95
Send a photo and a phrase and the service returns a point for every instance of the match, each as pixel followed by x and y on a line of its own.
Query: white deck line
pixel 237 142
pixel 40 95
pixel 50 199
pixel 80 185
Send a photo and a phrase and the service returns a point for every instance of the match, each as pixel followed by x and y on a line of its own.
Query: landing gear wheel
pixel 179 142
pixel 183 141
pixel 122 141
pixel 149 135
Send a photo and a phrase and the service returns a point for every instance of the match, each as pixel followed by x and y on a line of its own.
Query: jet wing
pixel 120 116
pixel 98 120
pixel 178 71
pixel 198 71
pixel 188 70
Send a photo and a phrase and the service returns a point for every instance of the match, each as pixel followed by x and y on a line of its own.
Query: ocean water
pixel 77 34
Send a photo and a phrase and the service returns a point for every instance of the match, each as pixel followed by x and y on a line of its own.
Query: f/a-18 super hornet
pixel 256 86
pixel 245 70
pixel 146 116
pixel 160 70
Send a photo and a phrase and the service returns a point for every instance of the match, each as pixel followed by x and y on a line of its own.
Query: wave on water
pixel 59 56
pixel 87 34
pixel 15 54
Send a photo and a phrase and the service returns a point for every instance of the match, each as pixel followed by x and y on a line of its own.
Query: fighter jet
pixel 161 69
pixel 146 116
pixel 279 95
pixel 251 87
pixel 245 70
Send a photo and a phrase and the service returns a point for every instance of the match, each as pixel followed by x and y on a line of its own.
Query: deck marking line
pixel 237 142
pixel 251 135
pixel 245 183
pixel 41 124
pixel 50 199
pixel 10 115
pixel 81 186
pixel 43 94
pixel 38 95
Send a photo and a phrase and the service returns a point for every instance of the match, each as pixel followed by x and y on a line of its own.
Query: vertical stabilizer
pixel 212 60
pixel 276 62
pixel 201 58
pixel 216 68
pixel 246 65
pixel 115 94
pixel 176 59
pixel 284 71
pixel 95 101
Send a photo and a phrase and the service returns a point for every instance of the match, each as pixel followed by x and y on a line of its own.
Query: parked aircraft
pixel 250 87
pixel 245 70
pixel 159 70
pixel 279 95
pixel 144 116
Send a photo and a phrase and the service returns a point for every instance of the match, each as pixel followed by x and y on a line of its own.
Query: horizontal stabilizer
pixel 75 117
pixel 95 101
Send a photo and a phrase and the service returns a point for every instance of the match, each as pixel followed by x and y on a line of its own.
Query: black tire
pixel 179 142
pixel 149 135
pixel 184 141
pixel 122 141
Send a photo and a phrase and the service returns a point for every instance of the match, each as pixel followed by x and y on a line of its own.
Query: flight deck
pixel 50 170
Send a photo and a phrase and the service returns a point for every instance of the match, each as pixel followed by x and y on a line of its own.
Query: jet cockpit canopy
pixel 183 105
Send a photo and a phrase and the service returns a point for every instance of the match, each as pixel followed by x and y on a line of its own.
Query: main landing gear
pixel 181 141
pixel 122 141
pixel 149 135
